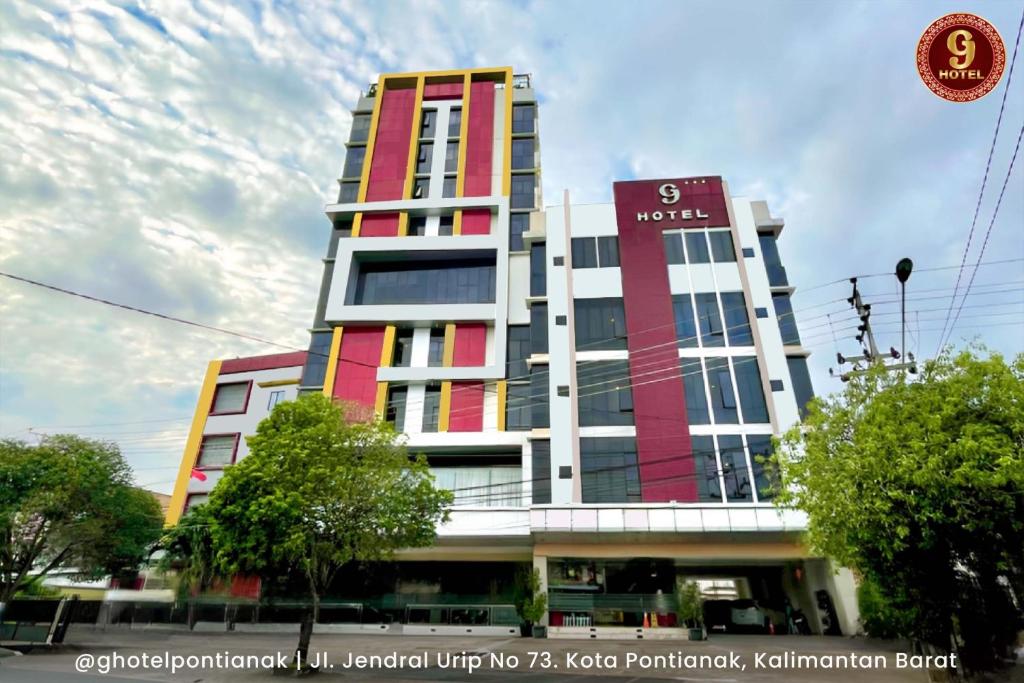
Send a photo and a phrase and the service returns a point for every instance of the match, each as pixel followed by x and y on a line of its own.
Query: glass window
pixel 454 122
pixel 522 118
pixel 518 223
pixel 470 281
pixel 539 387
pixel 686 327
pixel 435 357
pixel 518 407
pixel 734 468
pixel 518 351
pixel 275 398
pixel 772 262
pixel 748 383
pixel 609 470
pixel 721 246
pixel 446 227
pixel 708 488
pixel 539 328
pixel 761 449
pixel 417 226
pixel 673 247
pixel 349 193
pixel 316 359
pixel 448 188
pixel 195 500
pixel 801 380
pixel 231 398
pixel 538 269
pixel 522 153
pixel 605 396
pixel 394 411
pixel 486 486
pixel 421 188
pixel 584 252
pixel 431 408
pixel 428 123
pixel 697 247
pixel 600 324
pixel 360 128
pixel 608 251
pixel 217 451
pixel 737 324
pixel 424 158
pixel 693 384
pixel 523 191
pixel 451 157
pixel 402 357
pixel 354 162
pixel 787 321
pixel 541 455
pixel 709 320
pixel 723 400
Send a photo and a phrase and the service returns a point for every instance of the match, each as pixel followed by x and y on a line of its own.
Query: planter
pixel 540 631
pixel 525 630
pixel 698 633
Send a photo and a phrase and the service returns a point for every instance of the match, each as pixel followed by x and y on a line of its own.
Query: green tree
pixel 317 492
pixel 188 550
pixel 66 503
pixel 918 485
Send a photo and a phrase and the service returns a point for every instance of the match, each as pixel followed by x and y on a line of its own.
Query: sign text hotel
pixel 670 195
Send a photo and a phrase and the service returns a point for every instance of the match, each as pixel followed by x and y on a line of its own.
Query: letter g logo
pixel 669 193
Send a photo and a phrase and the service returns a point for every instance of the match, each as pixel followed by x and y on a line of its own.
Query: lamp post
pixel 903 270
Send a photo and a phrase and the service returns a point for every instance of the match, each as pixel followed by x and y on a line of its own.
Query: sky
pixel 177 156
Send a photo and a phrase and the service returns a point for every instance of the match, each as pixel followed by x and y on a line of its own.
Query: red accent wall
pixel 470 345
pixel 467 411
pixel 379 225
pixel 442 91
pixel 479 141
pixel 476 222
pixel 356 377
pixel 664 450
pixel 391 145
pixel 268 362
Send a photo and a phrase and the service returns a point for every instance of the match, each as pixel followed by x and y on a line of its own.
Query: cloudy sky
pixel 177 155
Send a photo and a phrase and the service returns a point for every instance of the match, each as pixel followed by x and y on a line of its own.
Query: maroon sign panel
pixel 643 209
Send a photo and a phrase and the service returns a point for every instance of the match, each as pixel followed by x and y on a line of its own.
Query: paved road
pixel 449 658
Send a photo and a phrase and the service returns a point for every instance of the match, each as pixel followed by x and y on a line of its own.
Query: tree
pixel 919 487
pixel 530 601
pixel 188 549
pixel 66 503
pixel 316 492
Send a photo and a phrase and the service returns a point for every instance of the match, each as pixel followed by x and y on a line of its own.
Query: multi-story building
pixel 595 383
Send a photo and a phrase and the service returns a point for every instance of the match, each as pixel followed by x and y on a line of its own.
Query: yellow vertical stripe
pixel 446 406
pixel 195 438
pixel 460 178
pixel 387 354
pixel 506 183
pixel 410 167
pixel 332 362
pixel 380 403
pixel 449 345
pixel 371 141
pixel 502 401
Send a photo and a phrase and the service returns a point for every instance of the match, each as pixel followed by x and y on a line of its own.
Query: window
pixel 523 153
pixel 723 400
pixel 761 312
pixel 523 191
pixel 431 408
pixel 231 398
pixel 217 450
pixel 608 251
pixel 761 449
pixel 584 252
pixel 737 325
pixel 394 410
pixel 734 468
pixel 721 246
pixel 697 247
pixel 708 488
pixel 275 398
pixel 517 408
pixel 776 385
pixel 518 223
pixel 800 378
pixel 448 188
pixel 787 322
pixel 451 157
pixel 541 455
pixel 454 122
pixel 428 123
pixel 709 321
pixel 600 324
pixel 539 385
pixel 693 385
pixel 194 500
pixel 539 328
pixel 316 359
pixel 538 274
pixel 518 350
pixel 673 247
pixel 354 162
pixel 360 128
pixel 609 471
pixel 686 327
pixel 470 281
pixel 417 226
pixel 402 357
pixel 522 118
pixel 447 225
pixel 435 358
pixel 349 193
pixel 748 384
pixel 604 393
pixel 748 252
pixel 424 158
pixel 772 262
pixel 421 188
pixel 476 485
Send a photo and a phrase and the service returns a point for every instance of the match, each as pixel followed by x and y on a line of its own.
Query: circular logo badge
pixel 961 57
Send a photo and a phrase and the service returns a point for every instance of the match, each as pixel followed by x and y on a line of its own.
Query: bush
pixel 879 616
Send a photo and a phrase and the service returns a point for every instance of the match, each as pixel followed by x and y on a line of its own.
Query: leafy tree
pixel 69 502
pixel 316 492
pixel 188 549
pixel 530 601
pixel 919 486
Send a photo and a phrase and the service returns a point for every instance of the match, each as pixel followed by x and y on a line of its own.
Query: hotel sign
pixel 686 202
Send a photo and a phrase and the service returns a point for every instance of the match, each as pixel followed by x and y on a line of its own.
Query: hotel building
pixel 595 383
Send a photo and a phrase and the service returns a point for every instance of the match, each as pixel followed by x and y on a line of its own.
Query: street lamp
pixel 903 270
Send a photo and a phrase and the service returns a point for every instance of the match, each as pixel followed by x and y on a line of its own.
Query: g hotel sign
pixel 961 57
pixel 669 193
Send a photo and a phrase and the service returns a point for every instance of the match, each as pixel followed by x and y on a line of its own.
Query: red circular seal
pixel 961 57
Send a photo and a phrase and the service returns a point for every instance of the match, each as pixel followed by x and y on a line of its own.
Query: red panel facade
pixel 479 140
pixel 356 376
pixel 442 91
pixel 379 225
pixel 391 146
pixel 467 412
pixel 268 362
pixel 470 345
pixel 476 222
pixel 664 450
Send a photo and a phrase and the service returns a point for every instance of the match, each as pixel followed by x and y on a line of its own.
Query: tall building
pixel 595 383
